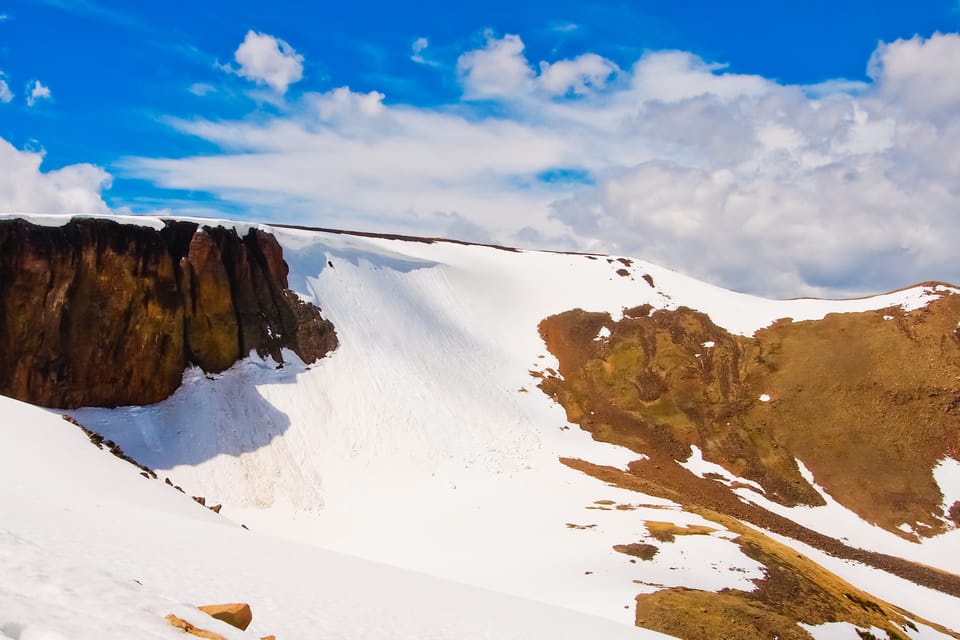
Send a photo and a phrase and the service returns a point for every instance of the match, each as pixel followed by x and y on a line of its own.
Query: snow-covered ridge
pixel 736 312
pixel 427 418
pixel 422 441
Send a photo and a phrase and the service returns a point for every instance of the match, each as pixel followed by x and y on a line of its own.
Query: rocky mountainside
pixel 868 401
pixel 105 314
pixel 598 433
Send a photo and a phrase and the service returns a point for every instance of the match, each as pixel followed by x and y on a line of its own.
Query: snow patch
pixel 947 476
pixel 835 631
pixel 700 467
pixel 835 520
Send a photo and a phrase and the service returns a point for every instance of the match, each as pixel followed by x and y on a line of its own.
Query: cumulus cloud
pixel 5 94
pixel 839 188
pixel 36 92
pixel 919 75
pixel 580 75
pixel 26 188
pixel 267 60
pixel 498 70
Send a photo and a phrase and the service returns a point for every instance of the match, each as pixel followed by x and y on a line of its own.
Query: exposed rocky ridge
pixel 793 589
pixel 868 401
pixel 97 313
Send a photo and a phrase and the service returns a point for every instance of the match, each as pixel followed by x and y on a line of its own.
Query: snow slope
pixel 89 549
pixel 423 443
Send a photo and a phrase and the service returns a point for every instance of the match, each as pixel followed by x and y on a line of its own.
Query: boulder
pixel 236 614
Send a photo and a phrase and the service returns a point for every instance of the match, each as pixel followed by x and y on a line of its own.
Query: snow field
pixel 423 442
pixel 90 550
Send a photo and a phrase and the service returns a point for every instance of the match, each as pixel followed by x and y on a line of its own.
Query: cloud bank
pixel 841 188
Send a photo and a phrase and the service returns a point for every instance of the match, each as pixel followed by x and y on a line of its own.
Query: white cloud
pixel 417 49
pixel 565 27
pixel 498 70
pixel 920 75
pixel 672 76
pixel 267 60
pixel 580 75
pixel 501 71
pixel 343 103
pixel 201 89
pixel 36 92
pixel 26 188
pixel 838 188
pixel 5 94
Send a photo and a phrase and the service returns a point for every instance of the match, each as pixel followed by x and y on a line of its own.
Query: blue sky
pixel 638 128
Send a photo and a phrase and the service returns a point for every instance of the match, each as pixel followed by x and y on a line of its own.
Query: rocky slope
pixel 868 401
pixel 99 313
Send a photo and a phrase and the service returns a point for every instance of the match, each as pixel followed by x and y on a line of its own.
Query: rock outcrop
pixel 98 313
pixel 867 401
pixel 191 629
pixel 236 614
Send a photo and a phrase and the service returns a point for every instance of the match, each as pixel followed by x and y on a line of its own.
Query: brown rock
pixel 236 614
pixel 211 322
pixel 180 623
pixel 97 313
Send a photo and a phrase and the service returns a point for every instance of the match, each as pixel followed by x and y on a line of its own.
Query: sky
pixel 785 149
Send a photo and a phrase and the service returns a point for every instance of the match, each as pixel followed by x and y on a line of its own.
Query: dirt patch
pixel 641 550
pixel 668 531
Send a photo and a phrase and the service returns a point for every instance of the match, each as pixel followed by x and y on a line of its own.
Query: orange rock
pixel 236 614
pixel 269 638
pixel 180 623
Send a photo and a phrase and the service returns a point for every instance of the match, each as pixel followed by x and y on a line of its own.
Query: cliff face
pixel 97 313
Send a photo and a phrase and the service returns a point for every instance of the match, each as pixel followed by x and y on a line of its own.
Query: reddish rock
pixel 97 313
pixel 236 614
pixel 211 320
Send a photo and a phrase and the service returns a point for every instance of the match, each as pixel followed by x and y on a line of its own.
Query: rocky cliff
pixel 98 313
